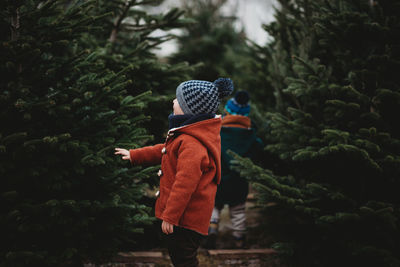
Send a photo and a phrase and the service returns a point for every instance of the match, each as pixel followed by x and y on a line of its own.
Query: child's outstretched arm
pixel 149 155
pixel 125 153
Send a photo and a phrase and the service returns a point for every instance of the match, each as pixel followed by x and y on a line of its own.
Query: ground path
pixel 253 255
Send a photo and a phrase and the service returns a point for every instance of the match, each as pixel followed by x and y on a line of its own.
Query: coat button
pixel 163 150
pixel 159 173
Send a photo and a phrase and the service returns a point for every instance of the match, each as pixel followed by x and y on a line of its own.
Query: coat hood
pixel 208 133
pixel 236 121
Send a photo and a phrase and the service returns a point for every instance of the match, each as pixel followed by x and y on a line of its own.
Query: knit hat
pixel 197 97
pixel 239 105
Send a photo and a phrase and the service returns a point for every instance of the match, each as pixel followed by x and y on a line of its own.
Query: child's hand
pixel 167 228
pixel 125 153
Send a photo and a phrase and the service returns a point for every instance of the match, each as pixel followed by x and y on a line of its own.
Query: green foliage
pixel 215 48
pixel 70 93
pixel 332 65
pixel 127 40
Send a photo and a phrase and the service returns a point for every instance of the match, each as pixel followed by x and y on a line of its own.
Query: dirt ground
pixel 257 237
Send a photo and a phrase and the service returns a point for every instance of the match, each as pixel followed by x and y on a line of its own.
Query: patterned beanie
pixel 239 105
pixel 198 97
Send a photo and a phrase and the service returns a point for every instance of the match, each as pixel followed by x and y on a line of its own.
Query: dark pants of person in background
pixel 182 247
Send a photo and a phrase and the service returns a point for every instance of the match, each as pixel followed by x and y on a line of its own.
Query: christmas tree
pixel 72 91
pixel 211 41
pixel 215 46
pixel 128 40
pixel 333 65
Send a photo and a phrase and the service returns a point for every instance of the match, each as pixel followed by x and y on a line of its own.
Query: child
pixel 238 136
pixel 190 166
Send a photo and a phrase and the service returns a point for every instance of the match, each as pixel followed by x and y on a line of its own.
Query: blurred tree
pixel 216 48
pixel 207 39
pixel 75 85
pixel 333 64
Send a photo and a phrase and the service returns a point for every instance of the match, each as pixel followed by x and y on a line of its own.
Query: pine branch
pixel 15 25
pixel 118 21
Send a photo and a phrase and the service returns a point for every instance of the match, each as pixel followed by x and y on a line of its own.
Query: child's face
pixel 177 108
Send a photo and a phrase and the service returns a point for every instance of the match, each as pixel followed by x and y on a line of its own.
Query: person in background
pixel 237 135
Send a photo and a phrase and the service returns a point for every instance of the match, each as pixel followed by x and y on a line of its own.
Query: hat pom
pixel 225 86
pixel 242 98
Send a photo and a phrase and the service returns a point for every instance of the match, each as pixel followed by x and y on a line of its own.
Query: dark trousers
pixel 182 246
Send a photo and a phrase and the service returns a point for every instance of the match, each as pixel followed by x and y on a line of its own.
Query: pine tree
pixel 216 48
pixel 67 98
pixel 336 137
pixel 127 40
pixel 211 42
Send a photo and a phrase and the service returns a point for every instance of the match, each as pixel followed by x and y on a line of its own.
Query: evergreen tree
pixel 216 48
pixel 128 40
pixel 205 40
pixel 70 93
pixel 335 132
pixel 211 42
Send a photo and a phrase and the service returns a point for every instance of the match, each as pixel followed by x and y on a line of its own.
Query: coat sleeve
pixel 191 156
pixel 149 155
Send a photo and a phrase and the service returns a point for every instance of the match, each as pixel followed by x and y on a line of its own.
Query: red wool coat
pixel 190 171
